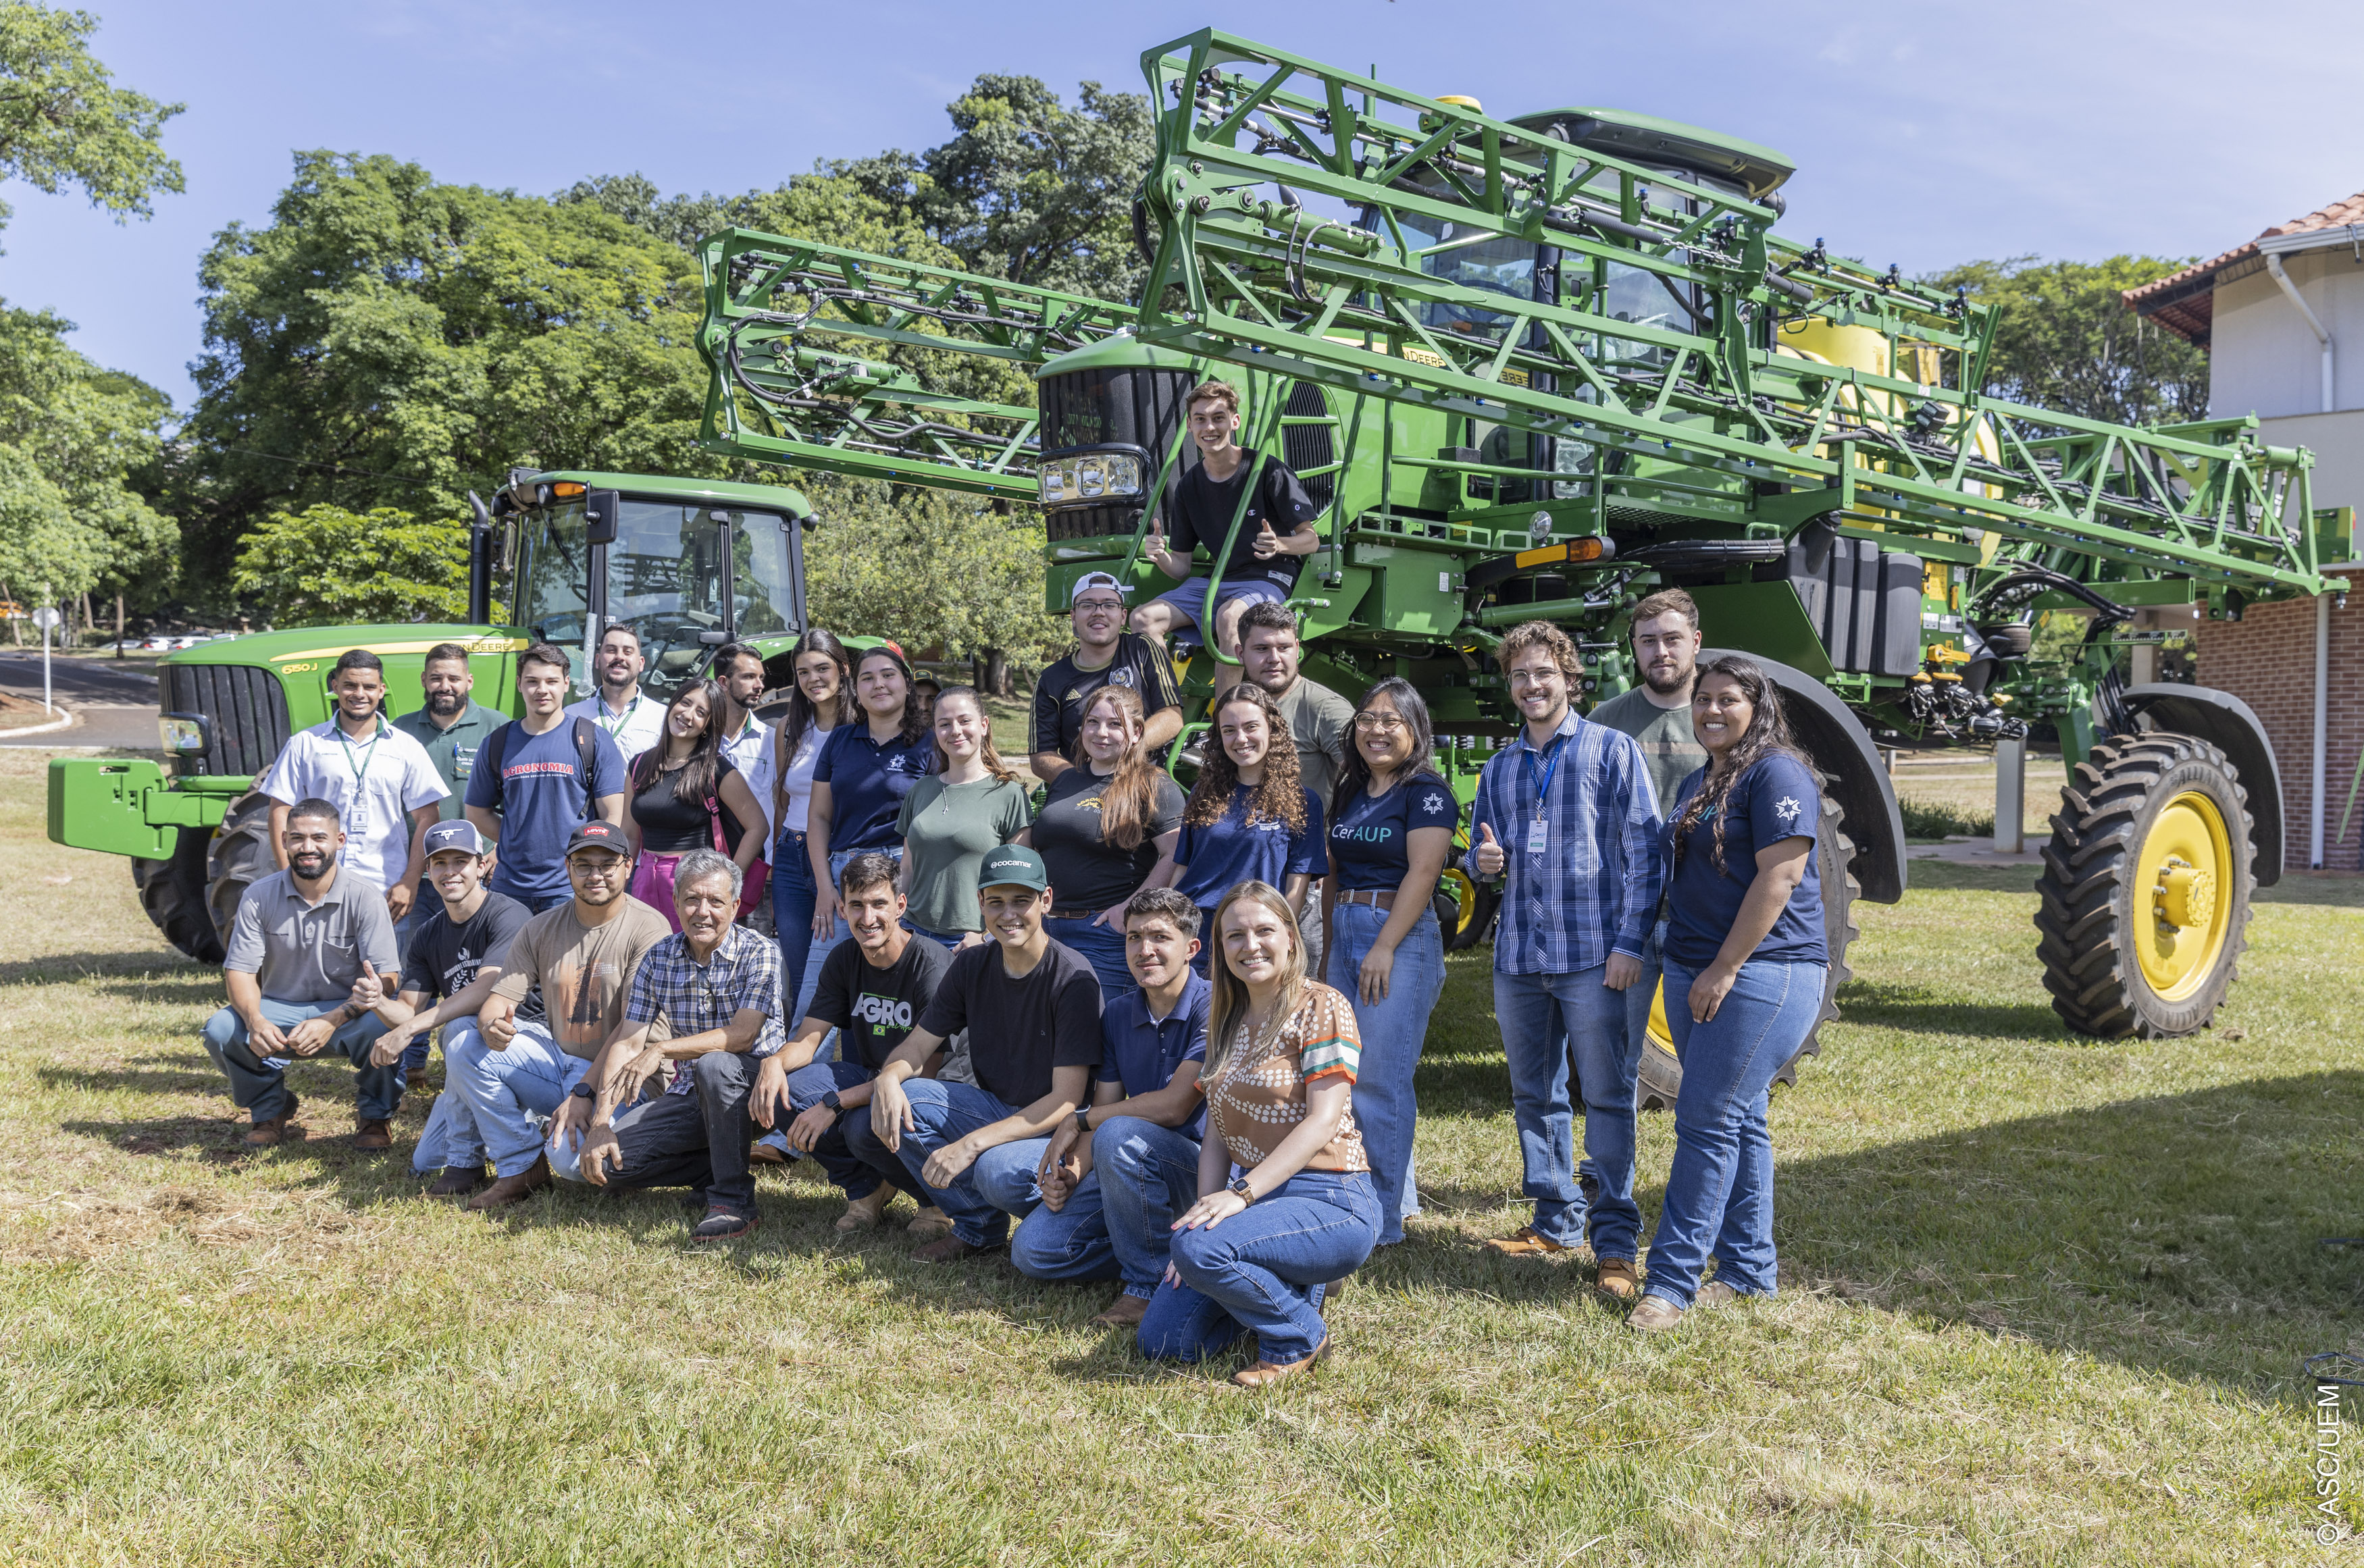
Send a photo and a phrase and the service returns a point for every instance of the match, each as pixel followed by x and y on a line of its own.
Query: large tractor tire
pixel 2145 896
pixel 174 893
pixel 240 853
pixel 1464 907
pixel 1662 1074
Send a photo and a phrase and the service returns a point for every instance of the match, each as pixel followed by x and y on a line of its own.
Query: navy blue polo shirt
pixel 867 783
pixel 1370 844
pixel 1144 1055
pixel 1231 850
pixel 1777 798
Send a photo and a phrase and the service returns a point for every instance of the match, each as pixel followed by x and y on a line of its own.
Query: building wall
pixel 2337 441
pixel 2261 358
pixel 2266 658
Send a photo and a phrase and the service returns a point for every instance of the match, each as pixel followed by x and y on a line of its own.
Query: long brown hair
pixel 1279 798
pixel 801 715
pixel 703 773
pixel 1768 734
pixel 1230 997
pixel 1002 771
pixel 1128 798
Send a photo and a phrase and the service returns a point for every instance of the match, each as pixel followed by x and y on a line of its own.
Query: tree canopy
pixel 64 123
pixel 328 566
pixel 2066 341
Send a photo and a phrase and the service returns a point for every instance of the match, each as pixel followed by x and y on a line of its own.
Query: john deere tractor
pixel 689 564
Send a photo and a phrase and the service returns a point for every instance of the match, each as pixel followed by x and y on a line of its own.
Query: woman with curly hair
pixel 1745 964
pixel 1248 818
pixel 1106 825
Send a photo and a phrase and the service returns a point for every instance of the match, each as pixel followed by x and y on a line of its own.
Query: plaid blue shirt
pixel 693 997
pixel 1593 889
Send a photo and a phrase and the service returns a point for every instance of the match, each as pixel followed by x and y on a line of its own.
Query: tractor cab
pixel 703 564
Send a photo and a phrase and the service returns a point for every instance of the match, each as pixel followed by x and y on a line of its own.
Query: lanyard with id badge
pixel 357 810
pixel 1538 828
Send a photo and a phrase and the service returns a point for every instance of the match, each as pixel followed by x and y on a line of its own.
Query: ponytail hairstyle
pixel 1001 771
pixel 703 773
pixel 1129 797
pixel 1768 734
pixel 1230 998
pixel 1355 776
pixel 1279 798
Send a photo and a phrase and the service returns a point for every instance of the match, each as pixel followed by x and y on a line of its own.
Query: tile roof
pixel 2184 302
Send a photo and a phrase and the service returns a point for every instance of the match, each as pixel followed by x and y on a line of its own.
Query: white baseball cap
pixel 1094 579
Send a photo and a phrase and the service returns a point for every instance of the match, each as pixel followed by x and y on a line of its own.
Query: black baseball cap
pixel 600 836
pixel 457 834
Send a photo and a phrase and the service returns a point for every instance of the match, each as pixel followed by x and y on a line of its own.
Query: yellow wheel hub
pixel 1662 1034
pixel 1464 894
pixel 2180 918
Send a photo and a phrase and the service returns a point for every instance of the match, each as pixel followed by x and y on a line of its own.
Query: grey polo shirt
pixel 311 952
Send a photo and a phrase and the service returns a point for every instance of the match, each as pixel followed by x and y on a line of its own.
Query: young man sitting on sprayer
pixel 1275 530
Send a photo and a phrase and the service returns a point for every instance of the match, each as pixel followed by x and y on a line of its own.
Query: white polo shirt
pixel 638 727
pixel 749 751
pixel 375 782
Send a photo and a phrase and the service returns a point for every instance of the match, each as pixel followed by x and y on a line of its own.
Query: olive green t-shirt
pixel 947 831
pixel 1668 747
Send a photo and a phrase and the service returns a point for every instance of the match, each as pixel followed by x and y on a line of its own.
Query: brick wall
pixel 2266 658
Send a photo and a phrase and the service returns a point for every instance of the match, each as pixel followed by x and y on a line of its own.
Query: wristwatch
pixel 1083 1118
pixel 831 1101
pixel 1239 1184
pixel 584 1091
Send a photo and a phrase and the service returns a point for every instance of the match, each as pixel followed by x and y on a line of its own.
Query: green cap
pixel 1014 865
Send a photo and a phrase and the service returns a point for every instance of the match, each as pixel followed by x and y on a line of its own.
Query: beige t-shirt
pixel 585 971
pixel 1318 721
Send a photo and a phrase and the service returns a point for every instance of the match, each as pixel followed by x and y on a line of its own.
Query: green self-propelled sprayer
pixel 1535 368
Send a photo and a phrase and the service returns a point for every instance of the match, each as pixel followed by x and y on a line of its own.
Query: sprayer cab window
pixel 666 578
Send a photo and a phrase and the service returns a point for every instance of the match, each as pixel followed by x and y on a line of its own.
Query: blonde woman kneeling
pixel 1254 1253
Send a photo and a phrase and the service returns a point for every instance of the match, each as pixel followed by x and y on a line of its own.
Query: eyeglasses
pixel 1108 605
pixel 1378 723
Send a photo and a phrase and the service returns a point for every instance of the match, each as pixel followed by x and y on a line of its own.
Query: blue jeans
pixel 510 1091
pixel 450 1139
pixel 1147 1175
pixel 1261 1271
pixel 1102 947
pixel 258 1085
pixel 792 912
pixel 1392 1032
pixel 1720 1192
pixel 982 1198
pixel 1548 1020
pixel 950 941
pixel 807 1085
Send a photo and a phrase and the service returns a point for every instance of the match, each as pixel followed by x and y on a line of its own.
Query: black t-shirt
pixel 444 957
pixel 672 826
pixel 1207 505
pixel 875 1006
pixel 1088 872
pixel 1019 1029
pixel 1066 688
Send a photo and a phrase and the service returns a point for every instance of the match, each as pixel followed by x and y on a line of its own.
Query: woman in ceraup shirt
pixel 1745 964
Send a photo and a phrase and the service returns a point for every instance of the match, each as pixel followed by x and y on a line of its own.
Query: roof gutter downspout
pixel 2274 267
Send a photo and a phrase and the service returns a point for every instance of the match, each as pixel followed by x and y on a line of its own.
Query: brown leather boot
pixel 1264 1373
pixel 1124 1312
pixel 265 1134
pixel 514 1189
pixel 457 1182
pixel 373 1134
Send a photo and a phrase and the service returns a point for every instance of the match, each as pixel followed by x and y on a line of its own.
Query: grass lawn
pixel 2044 1302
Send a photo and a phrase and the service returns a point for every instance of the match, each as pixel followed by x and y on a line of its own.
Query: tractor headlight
pixel 1089 477
pixel 181 734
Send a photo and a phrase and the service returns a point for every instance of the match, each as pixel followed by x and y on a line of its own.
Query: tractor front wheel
pixel 2145 896
pixel 1662 1074
pixel 238 854
pixel 174 893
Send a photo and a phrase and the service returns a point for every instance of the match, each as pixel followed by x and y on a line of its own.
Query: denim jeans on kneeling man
pixel 982 1199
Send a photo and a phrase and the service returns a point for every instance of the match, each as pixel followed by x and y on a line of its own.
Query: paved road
pixel 113 703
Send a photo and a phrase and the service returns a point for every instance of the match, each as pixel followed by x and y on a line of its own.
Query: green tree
pixel 388 341
pixel 2066 341
pixel 680 221
pixel 328 566
pixel 929 568
pixel 71 436
pixel 63 122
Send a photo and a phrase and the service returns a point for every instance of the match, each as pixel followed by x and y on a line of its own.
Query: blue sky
pixel 1924 134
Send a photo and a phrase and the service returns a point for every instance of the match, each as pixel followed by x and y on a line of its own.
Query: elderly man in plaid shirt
pixel 716 987
pixel 1566 812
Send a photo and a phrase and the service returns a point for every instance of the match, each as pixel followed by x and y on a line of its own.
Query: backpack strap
pixel 585 745
pixel 496 749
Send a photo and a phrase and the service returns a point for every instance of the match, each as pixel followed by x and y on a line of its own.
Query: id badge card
pixel 1537 836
